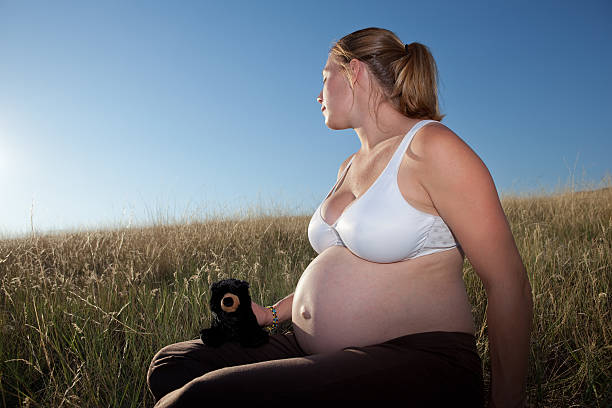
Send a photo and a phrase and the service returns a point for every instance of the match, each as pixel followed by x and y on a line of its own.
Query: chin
pixel 335 126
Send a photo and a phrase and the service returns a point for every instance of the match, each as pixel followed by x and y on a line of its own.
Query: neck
pixel 390 124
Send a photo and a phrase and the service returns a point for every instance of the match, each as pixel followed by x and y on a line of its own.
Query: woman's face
pixel 336 97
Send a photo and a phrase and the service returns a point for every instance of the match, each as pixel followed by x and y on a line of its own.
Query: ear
pixel 357 69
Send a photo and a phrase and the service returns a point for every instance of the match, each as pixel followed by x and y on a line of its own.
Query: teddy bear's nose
pixel 230 303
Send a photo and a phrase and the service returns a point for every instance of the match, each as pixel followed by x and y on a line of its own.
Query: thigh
pixel 231 353
pixel 176 364
pixel 398 370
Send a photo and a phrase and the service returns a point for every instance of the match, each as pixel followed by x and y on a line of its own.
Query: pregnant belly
pixel 342 300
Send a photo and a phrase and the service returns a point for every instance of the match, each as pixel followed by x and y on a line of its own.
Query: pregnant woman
pixel 382 312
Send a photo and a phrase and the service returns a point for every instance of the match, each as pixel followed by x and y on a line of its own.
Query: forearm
pixel 283 310
pixel 509 318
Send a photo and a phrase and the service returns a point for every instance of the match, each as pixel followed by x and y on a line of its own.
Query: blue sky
pixel 120 112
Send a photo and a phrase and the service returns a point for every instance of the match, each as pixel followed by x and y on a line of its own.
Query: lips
pixel 322 108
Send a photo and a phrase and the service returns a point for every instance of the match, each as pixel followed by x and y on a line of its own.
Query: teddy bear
pixel 232 316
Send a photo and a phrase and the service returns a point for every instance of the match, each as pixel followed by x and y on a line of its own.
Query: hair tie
pixel 406 48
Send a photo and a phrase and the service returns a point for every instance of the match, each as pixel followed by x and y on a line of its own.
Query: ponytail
pixel 415 90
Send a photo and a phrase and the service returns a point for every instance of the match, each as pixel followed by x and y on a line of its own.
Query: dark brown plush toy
pixel 232 316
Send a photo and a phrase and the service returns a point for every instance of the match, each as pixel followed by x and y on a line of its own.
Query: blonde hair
pixel 406 75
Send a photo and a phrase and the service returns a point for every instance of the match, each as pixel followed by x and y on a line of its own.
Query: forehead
pixel 330 65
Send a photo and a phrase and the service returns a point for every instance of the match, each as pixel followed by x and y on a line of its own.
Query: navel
pixel 305 313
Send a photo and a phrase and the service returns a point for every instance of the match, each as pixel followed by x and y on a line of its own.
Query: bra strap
pixel 401 149
pixel 341 177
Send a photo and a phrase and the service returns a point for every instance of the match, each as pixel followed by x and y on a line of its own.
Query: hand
pixel 262 314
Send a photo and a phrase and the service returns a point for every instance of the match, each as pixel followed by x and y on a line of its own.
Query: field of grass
pixel 83 313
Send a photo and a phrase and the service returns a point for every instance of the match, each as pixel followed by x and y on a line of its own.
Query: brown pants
pixel 422 369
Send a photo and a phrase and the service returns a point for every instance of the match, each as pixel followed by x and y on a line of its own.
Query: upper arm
pixel 462 191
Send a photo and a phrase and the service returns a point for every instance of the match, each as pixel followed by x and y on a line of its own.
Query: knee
pixel 168 371
pixel 172 367
pixel 156 378
pixel 171 390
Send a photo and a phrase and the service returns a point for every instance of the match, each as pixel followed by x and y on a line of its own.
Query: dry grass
pixel 82 313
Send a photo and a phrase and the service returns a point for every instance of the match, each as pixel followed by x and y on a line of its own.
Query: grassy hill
pixel 83 313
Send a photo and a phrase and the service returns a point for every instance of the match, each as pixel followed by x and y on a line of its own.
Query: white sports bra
pixel 380 225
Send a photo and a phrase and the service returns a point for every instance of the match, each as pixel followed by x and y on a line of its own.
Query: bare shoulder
pixel 446 160
pixel 440 152
pixel 436 139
